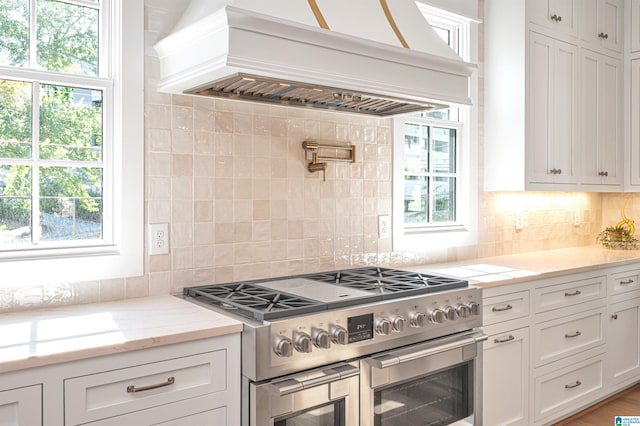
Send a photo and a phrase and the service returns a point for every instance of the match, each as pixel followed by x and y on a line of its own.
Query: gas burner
pixel 253 301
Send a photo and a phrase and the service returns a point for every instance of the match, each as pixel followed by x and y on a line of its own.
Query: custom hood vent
pixel 373 57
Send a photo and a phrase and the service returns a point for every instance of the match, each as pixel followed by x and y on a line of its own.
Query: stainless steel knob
pixel 437 316
pixel 450 312
pixel 302 342
pixel 397 323
pixel 474 307
pixel 383 326
pixel 320 338
pixel 417 319
pixel 283 347
pixel 338 334
pixel 463 310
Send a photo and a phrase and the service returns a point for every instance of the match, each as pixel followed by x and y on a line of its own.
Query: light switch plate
pixel 384 226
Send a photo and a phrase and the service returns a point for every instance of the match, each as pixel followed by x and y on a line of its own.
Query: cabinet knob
pixel 614 316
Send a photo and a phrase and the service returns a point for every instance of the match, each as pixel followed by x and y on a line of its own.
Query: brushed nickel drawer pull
pixel 614 316
pixel 506 308
pixel 132 389
pixel 505 340
pixel 575 293
pixel 575 385
pixel 576 334
pixel 629 281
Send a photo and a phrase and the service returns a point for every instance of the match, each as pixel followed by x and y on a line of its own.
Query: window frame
pixel 464 232
pixel 120 254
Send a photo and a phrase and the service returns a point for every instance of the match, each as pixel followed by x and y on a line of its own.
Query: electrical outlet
pixel 384 226
pixel 577 217
pixel 158 238
pixel 520 221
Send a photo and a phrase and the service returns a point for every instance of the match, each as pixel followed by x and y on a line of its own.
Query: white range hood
pixel 364 56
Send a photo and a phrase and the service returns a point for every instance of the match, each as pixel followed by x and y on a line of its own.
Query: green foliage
pixel 617 237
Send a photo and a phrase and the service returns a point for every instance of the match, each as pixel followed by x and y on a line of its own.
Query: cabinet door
pixel 21 407
pixel 506 378
pixel 601 119
pixel 551 123
pixel 623 356
pixel 601 23
pixel 635 122
pixel 556 15
pixel 635 25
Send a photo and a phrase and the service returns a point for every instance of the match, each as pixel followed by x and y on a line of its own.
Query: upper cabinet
pixel 558 16
pixel 601 23
pixel 635 26
pixel 553 95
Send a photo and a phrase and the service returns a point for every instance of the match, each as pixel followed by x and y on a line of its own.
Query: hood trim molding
pixel 236 41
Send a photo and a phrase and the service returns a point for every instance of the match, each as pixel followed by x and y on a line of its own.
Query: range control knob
pixel 397 323
pixel 437 316
pixel 463 310
pixel 417 319
pixel 320 338
pixel 450 312
pixel 302 342
pixel 338 334
pixel 383 326
pixel 474 307
pixel 283 347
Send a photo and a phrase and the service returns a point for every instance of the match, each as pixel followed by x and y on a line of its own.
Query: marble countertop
pixel 49 336
pixel 503 270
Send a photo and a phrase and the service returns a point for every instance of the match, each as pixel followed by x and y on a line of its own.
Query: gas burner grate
pixel 390 283
pixel 253 301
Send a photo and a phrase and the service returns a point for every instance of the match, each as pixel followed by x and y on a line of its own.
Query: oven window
pixel 326 415
pixel 438 399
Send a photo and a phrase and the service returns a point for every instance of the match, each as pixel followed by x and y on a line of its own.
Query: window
pixel 435 187
pixel 70 135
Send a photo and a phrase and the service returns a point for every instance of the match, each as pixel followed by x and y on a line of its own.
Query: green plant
pixel 616 236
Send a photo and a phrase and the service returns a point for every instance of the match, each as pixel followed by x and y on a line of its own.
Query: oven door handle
pixel 389 360
pixel 289 386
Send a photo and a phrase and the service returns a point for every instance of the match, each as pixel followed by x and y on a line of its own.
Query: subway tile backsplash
pixel 230 178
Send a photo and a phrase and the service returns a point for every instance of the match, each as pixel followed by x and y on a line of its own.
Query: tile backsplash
pixel 230 178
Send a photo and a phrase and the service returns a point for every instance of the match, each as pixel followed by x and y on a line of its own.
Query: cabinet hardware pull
pixel 576 334
pixel 556 18
pixel 575 293
pixel 626 282
pixel 506 308
pixel 505 340
pixel 603 173
pixel 603 36
pixel 614 316
pixel 132 389
pixel 575 385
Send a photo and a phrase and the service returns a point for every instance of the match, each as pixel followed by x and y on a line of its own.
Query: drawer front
pixel 505 307
pixel 21 407
pixel 568 294
pixel 567 336
pixel 117 392
pixel 624 282
pixel 556 391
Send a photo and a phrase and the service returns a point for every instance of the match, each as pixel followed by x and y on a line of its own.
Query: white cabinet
pixel 635 122
pixel 623 356
pixel 21 406
pixel 555 15
pixel 551 109
pixel 601 125
pixel 601 23
pixel 635 26
pixel 553 101
pixel 506 377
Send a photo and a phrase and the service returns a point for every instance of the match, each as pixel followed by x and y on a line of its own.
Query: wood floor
pixel 626 403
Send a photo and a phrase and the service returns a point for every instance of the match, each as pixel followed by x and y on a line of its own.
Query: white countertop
pixel 49 336
pixel 503 270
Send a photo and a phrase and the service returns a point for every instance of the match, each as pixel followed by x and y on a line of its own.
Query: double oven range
pixel 368 346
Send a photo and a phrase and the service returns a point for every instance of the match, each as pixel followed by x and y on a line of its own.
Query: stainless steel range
pixel 367 346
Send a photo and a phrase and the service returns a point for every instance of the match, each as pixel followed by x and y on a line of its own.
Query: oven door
pixel 323 397
pixel 433 383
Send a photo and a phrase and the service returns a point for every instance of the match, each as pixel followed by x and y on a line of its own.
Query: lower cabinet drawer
pixel 505 307
pixel 558 390
pixel 21 406
pixel 113 393
pixel 566 336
